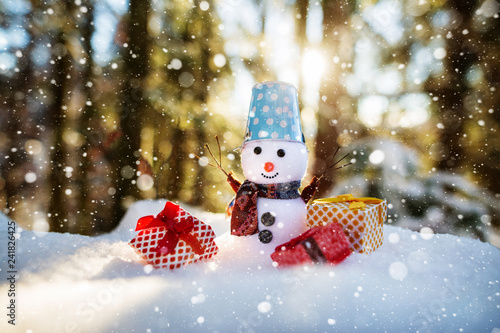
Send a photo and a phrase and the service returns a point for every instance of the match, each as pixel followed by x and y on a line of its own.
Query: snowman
pixel 268 208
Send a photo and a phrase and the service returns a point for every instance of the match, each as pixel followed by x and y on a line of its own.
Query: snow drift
pixel 414 282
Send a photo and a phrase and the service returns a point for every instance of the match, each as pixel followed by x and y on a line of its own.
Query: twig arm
pixel 218 163
pixel 310 190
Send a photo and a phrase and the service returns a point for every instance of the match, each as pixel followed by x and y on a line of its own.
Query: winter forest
pixel 117 116
pixel 106 102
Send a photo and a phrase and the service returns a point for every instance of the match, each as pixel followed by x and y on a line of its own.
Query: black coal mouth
pixel 270 177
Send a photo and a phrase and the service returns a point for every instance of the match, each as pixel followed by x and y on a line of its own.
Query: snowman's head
pixel 273 161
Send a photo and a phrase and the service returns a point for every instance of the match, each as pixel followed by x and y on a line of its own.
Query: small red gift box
pixel 320 244
pixel 174 238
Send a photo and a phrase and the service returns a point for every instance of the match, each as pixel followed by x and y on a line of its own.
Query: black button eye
pixel 257 150
pixel 281 152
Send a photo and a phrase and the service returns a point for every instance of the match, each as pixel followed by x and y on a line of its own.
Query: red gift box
pixel 174 238
pixel 320 244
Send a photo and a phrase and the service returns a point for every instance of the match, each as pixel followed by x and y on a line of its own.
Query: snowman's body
pixel 290 221
pixel 276 162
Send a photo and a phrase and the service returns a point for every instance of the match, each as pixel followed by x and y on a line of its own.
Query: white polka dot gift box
pixel 362 219
pixel 174 238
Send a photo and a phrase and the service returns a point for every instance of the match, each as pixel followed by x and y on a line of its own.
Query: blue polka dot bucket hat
pixel 274 113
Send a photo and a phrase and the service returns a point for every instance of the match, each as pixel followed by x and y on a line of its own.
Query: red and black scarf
pixel 244 219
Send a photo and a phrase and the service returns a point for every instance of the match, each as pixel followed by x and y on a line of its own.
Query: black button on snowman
pixel 267 219
pixel 274 160
pixel 266 236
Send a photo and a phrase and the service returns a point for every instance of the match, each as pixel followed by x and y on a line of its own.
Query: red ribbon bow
pixel 175 230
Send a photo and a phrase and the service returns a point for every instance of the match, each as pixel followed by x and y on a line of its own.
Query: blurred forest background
pixel 105 102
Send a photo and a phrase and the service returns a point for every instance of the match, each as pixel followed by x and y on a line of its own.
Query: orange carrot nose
pixel 268 166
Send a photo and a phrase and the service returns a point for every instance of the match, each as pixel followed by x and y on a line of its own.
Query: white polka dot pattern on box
pixel 274 113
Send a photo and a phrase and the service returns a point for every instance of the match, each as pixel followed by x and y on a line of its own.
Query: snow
pixel 414 282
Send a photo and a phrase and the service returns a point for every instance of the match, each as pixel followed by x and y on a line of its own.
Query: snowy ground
pixel 414 282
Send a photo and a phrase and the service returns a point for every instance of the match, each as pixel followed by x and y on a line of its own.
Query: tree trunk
pixel 176 174
pixel 200 172
pixel 338 50
pixel 58 216
pixel 301 8
pixel 136 67
pixel 88 212
pixel 451 88
pixel 16 129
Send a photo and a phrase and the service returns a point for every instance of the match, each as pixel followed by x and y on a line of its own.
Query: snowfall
pixel 416 281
